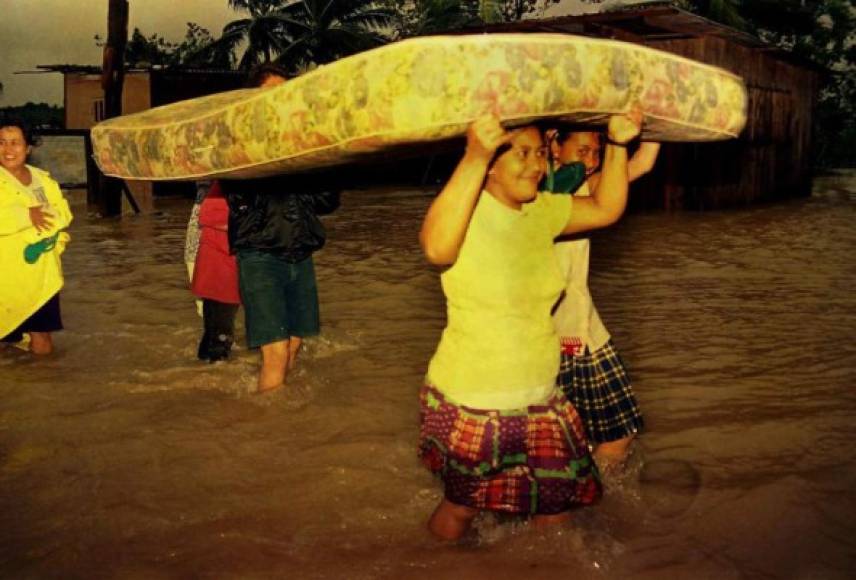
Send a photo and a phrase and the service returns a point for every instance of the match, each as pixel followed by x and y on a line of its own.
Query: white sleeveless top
pixel 576 319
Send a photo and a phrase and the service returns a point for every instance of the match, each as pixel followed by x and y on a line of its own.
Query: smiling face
pixel 14 149
pixel 514 176
pixel 581 146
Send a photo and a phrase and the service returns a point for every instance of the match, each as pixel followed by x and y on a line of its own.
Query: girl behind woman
pixel 592 373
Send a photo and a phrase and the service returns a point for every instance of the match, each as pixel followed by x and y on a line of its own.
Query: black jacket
pixel 278 214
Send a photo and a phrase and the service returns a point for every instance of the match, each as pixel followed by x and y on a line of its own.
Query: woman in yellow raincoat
pixel 33 217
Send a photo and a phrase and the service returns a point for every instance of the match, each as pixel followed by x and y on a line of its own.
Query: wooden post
pixel 93 175
pixel 112 79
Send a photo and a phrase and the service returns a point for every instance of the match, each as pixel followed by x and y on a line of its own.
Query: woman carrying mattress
pixel 494 425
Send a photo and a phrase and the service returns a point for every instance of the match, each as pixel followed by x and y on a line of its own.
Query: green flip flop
pixel 36 249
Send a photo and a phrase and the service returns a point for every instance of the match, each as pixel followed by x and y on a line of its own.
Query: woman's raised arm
pixel 448 218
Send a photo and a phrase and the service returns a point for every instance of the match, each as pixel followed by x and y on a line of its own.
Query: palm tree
pixel 320 31
pixel 508 10
pixel 260 31
pixel 422 17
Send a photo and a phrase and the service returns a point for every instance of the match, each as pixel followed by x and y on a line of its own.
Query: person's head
pixel 266 75
pixel 16 141
pixel 582 146
pixel 518 167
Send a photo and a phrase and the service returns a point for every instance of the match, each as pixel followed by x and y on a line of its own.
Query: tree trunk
pixel 112 80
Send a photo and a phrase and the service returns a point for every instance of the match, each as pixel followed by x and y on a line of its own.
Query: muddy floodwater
pixel 122 456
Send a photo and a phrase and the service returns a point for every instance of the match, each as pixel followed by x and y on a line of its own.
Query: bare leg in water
pixel 274 365
pixel 41 343
pixel 450 521
pixel 277 359
pixel 294 344
pixel 546 521
pixel 610 456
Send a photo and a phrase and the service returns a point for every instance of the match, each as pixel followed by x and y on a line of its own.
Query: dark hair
pixel 259 73
pixel 30 136
pixel 565 131
pixel 540 126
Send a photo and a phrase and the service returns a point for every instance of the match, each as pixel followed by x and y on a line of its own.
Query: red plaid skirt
pixel 526 461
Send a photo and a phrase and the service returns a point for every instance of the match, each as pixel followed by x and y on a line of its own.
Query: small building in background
pixel 772 158
pixel 144 88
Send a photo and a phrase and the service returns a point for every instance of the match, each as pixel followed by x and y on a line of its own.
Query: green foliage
pixel 819 31
pixel 424 17
pixel 142 51
pixel 298 33
pixel 724 11
pixel 509 10
pixel 302 33
pixel 321 31
pixel 259 32
pixel 196 49
pixel 832 44
pixel 37 115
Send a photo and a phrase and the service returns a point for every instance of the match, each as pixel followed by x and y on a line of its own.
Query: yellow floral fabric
pixel 416 91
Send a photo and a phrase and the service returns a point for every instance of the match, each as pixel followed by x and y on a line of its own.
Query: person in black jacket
pixel 274 230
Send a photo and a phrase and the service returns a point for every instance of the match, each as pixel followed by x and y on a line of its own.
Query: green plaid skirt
pixel 525 461
pixel 597 385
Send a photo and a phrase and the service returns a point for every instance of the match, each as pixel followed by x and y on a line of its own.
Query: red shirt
pixel 215 275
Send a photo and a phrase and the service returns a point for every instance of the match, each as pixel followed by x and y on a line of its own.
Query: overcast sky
pixel 34 32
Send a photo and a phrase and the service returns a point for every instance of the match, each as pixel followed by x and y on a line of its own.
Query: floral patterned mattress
pixel 416 92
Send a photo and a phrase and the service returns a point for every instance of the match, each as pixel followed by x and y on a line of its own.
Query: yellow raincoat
pixel 25 286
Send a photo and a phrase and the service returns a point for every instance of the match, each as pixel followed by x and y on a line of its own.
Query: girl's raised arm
pixel 609 197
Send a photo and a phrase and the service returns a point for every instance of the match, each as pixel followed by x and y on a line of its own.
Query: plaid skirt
pixel 527 461
pixel 599 388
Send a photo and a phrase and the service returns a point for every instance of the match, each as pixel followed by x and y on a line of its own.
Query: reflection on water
pixel 124 457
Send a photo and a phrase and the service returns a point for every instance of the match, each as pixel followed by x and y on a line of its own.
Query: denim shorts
pixel 280 298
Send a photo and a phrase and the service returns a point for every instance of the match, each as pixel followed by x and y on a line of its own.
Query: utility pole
pixel 112 78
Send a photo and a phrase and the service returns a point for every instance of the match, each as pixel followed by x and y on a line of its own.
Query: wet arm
pixel 445 225
pixel 643 160
pixel 641 163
